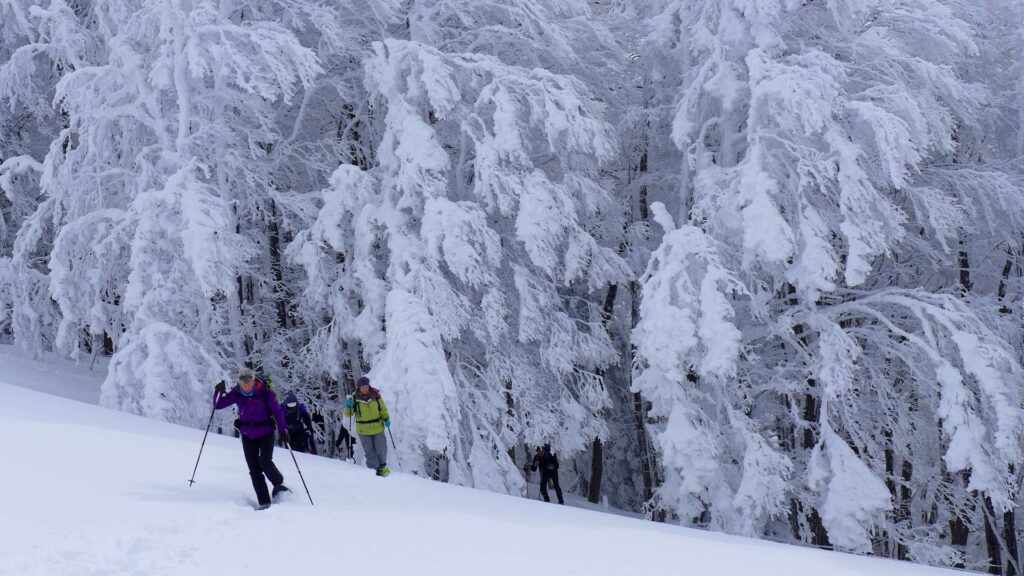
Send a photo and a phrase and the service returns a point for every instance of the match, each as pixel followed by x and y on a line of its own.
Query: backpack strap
pixel 259 386
pixel 374 395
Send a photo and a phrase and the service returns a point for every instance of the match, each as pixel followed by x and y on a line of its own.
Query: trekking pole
pixel 351 431
pixel 289 445
pixel 352 412
pixel 397 457
pixel 201 446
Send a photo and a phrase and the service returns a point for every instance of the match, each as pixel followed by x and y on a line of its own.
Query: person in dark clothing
pixel 258 415
pixel 345 443
pixel 300 425
pixel 548 464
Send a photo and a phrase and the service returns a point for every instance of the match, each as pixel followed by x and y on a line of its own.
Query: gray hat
pixel 246 374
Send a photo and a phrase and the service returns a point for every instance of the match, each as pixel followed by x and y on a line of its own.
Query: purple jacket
pixel 256 413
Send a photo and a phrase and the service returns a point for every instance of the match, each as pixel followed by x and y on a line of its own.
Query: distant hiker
pixel 258 412
pixel 344 443
pixel 548 464
pixel 300 425
pixel 371 420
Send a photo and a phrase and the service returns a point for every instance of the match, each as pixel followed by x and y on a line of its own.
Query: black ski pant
pixel 344 444
pixel 299 441
pixel 259 457
pixel 546 476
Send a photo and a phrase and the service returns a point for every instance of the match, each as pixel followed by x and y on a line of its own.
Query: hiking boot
pixel 279 489
pixel 383 471
pixel 263 507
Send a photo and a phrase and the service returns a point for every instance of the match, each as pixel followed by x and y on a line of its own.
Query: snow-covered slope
pixel 92 492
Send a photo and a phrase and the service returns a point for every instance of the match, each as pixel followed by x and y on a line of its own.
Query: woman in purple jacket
pixel 258 412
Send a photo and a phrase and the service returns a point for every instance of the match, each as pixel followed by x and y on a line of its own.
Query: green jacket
pixel 370 412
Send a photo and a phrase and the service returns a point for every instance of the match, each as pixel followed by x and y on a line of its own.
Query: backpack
pixel 266 400
pixel 268 381
pixel 293 417
pixel 374 397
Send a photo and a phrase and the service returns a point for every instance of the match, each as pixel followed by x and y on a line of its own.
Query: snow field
pixel 95 492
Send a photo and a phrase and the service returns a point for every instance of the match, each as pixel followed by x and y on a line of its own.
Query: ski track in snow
pixel 95 492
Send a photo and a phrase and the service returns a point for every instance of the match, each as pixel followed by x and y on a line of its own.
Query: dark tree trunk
pixel 958 528
pixel 795 510
pixel 646 467
pixel 903 510
pixel 965 269
pixel 1003 279
pixel 1010 537
pixel 596 471
pixel 609 305
pixel 890 483
pixel 900 494
pixel 811 415
pixel 995 557
pixel 646 452
pixel 645 212
pixel 958 533
pixel 277 271
pixel 819 536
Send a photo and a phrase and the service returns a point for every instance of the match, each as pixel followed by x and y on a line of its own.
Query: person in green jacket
pixel 371 419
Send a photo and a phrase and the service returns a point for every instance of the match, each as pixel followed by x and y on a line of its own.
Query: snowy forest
pixel 748 265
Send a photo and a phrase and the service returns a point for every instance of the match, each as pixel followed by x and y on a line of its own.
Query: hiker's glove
pixel 349 402
pixel 284 436
pixel 220 388
pixel 387 422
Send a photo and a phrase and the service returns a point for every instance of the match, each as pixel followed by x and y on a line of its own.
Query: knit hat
pixel 246 374
pixel 363 381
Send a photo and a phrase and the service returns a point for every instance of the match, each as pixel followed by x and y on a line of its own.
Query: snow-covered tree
pixel 153 173
pixel 756 263
pixel 824 153
pixel 453 319
pixel 38 44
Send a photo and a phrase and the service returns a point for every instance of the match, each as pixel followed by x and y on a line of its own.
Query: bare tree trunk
pixel 995 557
pixel 819 536
pixel 647 454
pixel 958 533
pixel 1010 537
pixel 277 271
pixel 811 414
pixel 900 495
pixel 903 510
pixel 648 464
pixel 959 530
pixel 965 269
pixel 1009 516
pixel 596 471
pixel 1003 279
